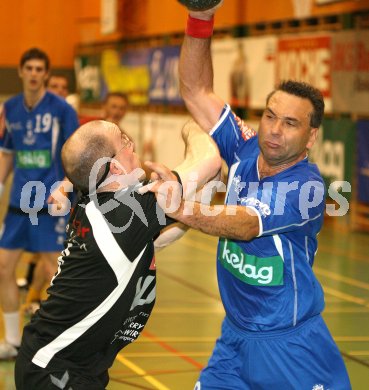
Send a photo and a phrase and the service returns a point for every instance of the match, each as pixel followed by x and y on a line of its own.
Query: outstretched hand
pixel 165 186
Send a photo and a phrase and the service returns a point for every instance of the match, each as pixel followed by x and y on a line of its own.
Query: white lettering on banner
pixel 311 66
pixel 89 79
pixel 172 78
pixel 263 276
pixel 164 76
pixel 329 156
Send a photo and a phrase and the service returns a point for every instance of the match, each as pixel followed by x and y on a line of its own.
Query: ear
pixel 116 168
pixel 312 137
pixel 47 75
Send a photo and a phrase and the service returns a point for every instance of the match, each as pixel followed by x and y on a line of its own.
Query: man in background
pixel 36 277
pixel 58 84
pixel 37 125
pixel 115 107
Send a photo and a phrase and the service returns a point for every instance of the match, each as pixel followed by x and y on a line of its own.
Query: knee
pixel 7 266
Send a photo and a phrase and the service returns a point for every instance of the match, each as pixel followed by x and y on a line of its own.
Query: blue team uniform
pixel 35 137
pixel 273 336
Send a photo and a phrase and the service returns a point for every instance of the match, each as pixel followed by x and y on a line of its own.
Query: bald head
pixel 89 143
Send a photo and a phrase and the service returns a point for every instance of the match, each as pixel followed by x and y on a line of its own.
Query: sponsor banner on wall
pixel 244 70
pixel 127 72
pixel 350 71
pixel 261 65
pixel 157 137
pixel 88 76
pixel 307 58
pixel 224 53
pixel 164 80
pixel 333 152
pixel 164 131
pixel 363 161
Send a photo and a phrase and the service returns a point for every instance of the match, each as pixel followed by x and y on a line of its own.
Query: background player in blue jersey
pixel 273 336
pixel 37 125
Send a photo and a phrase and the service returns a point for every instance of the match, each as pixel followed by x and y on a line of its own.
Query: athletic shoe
pixel 8 351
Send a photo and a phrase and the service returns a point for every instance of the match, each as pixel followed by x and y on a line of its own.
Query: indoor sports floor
pixel 186 320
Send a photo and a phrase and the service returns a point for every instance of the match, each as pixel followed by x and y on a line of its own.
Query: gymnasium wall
pixel 58 26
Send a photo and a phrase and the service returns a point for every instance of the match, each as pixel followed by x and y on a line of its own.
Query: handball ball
pixel 199 5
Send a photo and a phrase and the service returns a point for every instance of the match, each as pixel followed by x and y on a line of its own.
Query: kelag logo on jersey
pixel 29 159
pixel 257 271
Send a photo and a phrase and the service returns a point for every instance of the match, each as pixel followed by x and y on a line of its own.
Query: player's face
pixel 285 133
pixel 115 109
pixel 33 74
pixel 58 85
pixel 125 153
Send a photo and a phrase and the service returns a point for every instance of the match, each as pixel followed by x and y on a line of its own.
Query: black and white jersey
pixel 104 290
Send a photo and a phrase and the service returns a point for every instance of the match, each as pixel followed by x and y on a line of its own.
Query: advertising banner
pixel 363 161
pixel 350 71
pixel 164 80
pixel 88 76
pixel 307 58
pixel 333 152
pixel 127 72
pixel 244 70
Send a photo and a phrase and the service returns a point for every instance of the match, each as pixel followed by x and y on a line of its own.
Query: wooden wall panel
pixel 50 25
pixel 58 26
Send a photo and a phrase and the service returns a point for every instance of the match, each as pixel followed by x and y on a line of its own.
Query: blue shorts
pixel 18 232
pixel 304 358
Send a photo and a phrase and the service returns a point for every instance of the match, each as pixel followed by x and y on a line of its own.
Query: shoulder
pixel 59 103
pixel 13 101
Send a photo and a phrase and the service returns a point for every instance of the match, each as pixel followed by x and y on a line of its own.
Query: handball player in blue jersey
pixel 37 125
pixel 273 335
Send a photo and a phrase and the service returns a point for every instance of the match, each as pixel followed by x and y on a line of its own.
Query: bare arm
pixel 201 164
pixel 196 78
pixel 202 160
pixel 235 222
pixel 231 221
pixel 6 165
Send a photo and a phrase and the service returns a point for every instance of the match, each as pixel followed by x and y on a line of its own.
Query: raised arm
pixel 202 163
pixel 196 70
pixel 202 160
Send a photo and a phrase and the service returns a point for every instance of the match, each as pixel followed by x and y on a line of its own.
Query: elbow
pixel 216 164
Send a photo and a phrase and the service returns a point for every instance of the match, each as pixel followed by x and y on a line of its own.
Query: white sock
pixel 12 325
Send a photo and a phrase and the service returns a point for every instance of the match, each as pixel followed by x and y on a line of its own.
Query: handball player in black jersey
pixel 104 290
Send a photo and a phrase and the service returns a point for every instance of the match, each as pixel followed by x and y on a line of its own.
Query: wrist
pixel 198 27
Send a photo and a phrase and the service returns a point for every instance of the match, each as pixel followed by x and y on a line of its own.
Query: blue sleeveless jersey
pixel 36 137
pixel 267 283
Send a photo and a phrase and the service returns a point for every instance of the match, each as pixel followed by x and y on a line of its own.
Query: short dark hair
pixel 305 91
pixel 116 94
pixel 35 54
